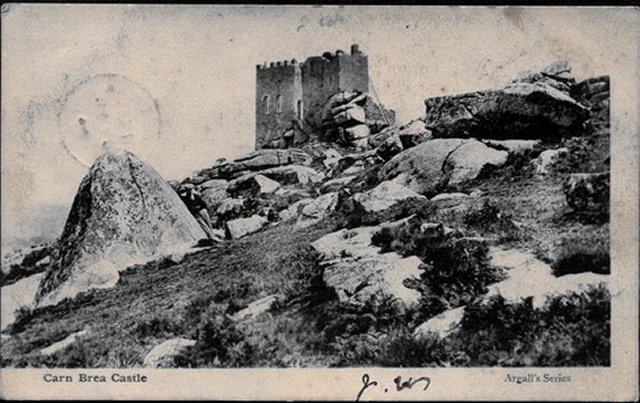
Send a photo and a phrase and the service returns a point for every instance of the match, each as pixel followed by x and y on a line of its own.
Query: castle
pixel 288 93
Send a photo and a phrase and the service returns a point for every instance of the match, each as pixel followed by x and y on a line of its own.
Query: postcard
pixel 238 202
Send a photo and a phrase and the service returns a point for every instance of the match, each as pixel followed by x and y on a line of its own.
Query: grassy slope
pixel 161 300
pixel 149 302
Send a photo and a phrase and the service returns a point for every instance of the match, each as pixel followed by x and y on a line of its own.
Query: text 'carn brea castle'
pixel 288 92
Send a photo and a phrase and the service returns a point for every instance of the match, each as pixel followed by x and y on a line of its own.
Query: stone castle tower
pixel 288 92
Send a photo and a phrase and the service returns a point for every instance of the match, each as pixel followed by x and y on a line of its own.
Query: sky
pixel 176 84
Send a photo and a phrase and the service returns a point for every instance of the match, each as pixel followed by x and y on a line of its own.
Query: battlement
pixel 271 65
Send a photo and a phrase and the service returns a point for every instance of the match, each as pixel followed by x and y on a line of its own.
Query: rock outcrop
pixel 466 162
pixel 335 185
pixel 441 325
pixel 289 175
pixel 315 210
pixel 541 284
pixel 513 146
pixel 164 354
pixel 533 106
pixel 124 213
pixel 350 117
pixel 413 133
pixel 20 294
pixel 543 163
pixel 557 75
pixel 383 196
pixel 214 192
pixel 256 308
pixel 244 226
pixel 230 208
pixel 64 343
pixel 593 92
pixel 360 274
pixel 253 185
pixel 255 161
pixel 294 210
pixel 439 162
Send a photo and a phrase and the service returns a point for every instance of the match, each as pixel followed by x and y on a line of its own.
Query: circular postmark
pixel 107 108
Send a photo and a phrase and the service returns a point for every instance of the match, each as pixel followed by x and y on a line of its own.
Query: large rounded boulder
pixel 124 213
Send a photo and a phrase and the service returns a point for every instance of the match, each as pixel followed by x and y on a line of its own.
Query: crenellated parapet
pixel 278 64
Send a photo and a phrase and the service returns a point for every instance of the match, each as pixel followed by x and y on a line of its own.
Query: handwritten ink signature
pixel 366 383
pixel 400 384
pixel 409 383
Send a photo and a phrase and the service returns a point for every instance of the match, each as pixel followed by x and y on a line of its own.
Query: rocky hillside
pixel 474 235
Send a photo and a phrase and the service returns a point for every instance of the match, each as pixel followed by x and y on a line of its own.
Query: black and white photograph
pixel 397 199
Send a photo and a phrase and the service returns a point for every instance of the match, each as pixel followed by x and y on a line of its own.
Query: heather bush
pixel 354 334
pixel 455 270
pixel 157 327
pixel 586 154
pixel 219 342
pixel 570 330
pixel 489 218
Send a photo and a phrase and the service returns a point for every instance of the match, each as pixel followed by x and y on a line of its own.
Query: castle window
pixel 278 103
pixel 299 109
pixel 266 104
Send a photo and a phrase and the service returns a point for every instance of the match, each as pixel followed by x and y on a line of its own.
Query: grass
pixel 147 304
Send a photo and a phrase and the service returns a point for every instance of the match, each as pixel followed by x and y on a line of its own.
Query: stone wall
pixel 319 82
pixel 279 85
pixel 326 75
pixel 353 72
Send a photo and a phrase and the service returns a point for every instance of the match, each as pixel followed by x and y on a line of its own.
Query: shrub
pixel 455 270
pixel 84 353
pixel 220 343
pixel 405 351
pixel 23 317
pixel 586 154
pixel 341 319
pixel 456 273
pixel 489 218
pixel 571 330
pixel 354 334
pixel 405 239
pixel 156 326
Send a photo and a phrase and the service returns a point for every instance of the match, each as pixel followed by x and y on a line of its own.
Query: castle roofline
pixel 326 56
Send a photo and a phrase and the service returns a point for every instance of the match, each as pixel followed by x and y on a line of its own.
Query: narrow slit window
pixel 266 104
pixel 299 109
